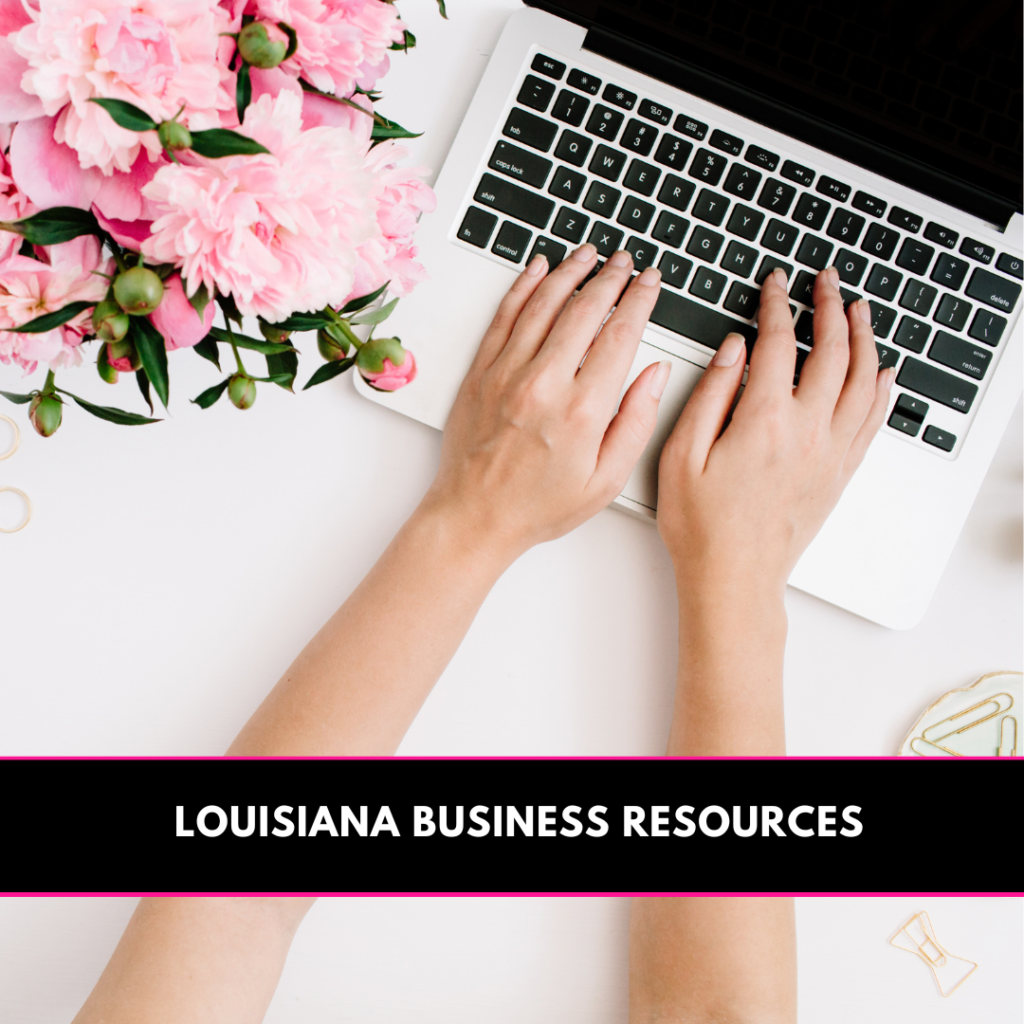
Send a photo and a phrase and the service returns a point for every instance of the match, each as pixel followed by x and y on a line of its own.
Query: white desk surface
pixel 172 572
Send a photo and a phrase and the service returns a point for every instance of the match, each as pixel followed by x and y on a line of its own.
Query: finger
pixel 874 419
pixel 858 392
pixel 630 430
pixel 708 406
pixel 511 306
pixel 824 372
pixel 773 359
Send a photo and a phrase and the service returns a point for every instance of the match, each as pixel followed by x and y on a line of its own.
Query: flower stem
pixel 346 328
pixel 238 358
pixel 49 387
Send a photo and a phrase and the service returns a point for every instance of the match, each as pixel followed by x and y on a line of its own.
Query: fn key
pixel 477 226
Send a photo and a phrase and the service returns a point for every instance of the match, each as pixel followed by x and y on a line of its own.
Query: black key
pixel 848 297
pixel 519 164
pixel 1011 265
pixel 602 199
pixel 993 290
pixel 529 129
pixel 477 226
pixel 952 312
pixel 567 184
pixel 604 122
pixel 880 242
pixel 915 256
pixel 740 259
pixel 987 327
pixel 941 236
pixel 742 300
pixel 833 189
pixel 573 148
pixel 584 81
pixel 779 237
pixel 570 224
pixel 619 96
pixel 548 247
pixel 905 219
pixel 882 319
pixel 642 251
pixel 977 250
pixel 804 328
pixel 887 356
pixel 608 163
pixel 745 222
pixel 911 407
pixel 814 252
pixel 707 166
pixel 704 244
pixel 960 355
pixel 674 269
pixel 868 204
pixel 908 426
pixel 670 229
pixel 710 206
pixel 689 126
pixel 676 192
pixel 696 321
pixel 605 239
pixel 937 385
pixel 742 181
pixel 776 196
pixel 883 282
pixel 798 173
pixel 725 142
pixel 761 157
pixel 546 66
pixel 638 137
pixel 593 273
pixel 919 296
pixel 570 107
pixel 635 214
pixel 512 241
pixel 641 177
pixel 652 111
pixel 949 271
pixel 770 263
pixel 708 284
pixel 940 438
pixel 536 93
pixel 673 151
pixel 912 334
pixel 803 288
pixel 517 202
pixel 811 211
pixel 851 267
pixel 845 226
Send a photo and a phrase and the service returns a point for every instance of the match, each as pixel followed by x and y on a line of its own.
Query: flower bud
pixel 105 370
pixel 274 334
pixel 174 136
pixel 333 345
pixel 122 356
pixel 138 291
pixel 263 44
pixel 45 413
pixel 242 391
pixel 109 322
pixel 385 365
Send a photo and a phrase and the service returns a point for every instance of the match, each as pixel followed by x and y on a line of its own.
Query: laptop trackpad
pixel 643 482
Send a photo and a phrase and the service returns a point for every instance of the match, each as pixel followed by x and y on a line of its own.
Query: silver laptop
pixel 717 143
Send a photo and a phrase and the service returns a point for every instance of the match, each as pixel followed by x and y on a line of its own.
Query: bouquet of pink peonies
pixel 161 161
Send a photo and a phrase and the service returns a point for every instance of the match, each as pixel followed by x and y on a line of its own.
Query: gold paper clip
pixel 918 936
pixel 6 455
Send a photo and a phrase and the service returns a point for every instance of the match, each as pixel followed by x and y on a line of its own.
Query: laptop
pixel 717 140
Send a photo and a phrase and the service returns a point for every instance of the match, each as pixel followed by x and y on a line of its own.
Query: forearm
pixel 699 960
pixel 196 961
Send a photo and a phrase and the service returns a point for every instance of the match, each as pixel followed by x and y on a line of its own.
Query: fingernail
pixel 729 351
pixel 660 379
pixel 650 278
pixel 585 253
pixel 780 277
pixel 537 265
pixel 888 377
pixel 620 259
pixel 833 276
pixel 864 310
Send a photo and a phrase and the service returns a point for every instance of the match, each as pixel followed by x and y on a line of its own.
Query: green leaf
pixel 126 115
pixel 284 365
pixel 55 225
pixel 392 130
pixel 210 395
pixel 407 43
pixel 229 309
pixel 440 7
pixel 267 348
pixel 215 142
pixel 143 381
pixel 17 399
pixel 207 348
pixel 106 412
pixel 277 378
pixel 293 38
pixel 243 94
pixel 149 343
pixel 377 316
pixel 364 300
pixel 328 372
pixel 199 300
pixel 48 321
pixel 304 322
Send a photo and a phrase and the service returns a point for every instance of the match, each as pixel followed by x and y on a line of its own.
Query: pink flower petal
pixel 176 319
pixel 48 172
pixel 120 195
pixel 15 103
pixel 272 80
pixel 129 233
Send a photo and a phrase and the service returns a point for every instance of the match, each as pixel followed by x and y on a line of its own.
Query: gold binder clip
pixel 24 497
pixel 918 936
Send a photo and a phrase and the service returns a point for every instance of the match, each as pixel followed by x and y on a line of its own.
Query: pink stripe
pixel 851 895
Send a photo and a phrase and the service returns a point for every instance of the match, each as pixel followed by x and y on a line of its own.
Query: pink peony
pixel 279 232
pixel 392 377
pixel 157 56
pixel 176 318
pixel 14 205
pixel 31 287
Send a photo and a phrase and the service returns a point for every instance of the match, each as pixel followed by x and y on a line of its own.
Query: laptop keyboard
pixel 579 159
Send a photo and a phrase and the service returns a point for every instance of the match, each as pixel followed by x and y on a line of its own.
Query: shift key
pixel 515 201
pixel 936 384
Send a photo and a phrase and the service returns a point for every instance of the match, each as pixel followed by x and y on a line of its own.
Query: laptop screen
pixel 926 93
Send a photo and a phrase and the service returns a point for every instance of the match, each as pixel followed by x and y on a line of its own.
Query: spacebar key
pixel 515 201
pixel 698 322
